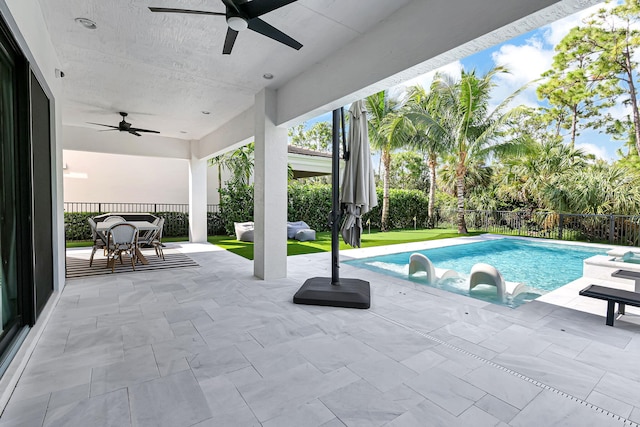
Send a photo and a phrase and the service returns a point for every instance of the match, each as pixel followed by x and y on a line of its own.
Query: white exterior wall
pixel 117 178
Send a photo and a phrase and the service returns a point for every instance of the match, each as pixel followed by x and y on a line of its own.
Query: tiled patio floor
pixel 213 346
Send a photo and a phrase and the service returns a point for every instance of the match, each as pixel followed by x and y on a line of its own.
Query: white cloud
pixel 599 152
pixel 452 69
pixel 556 31
pixel 525 64
pixel 620 110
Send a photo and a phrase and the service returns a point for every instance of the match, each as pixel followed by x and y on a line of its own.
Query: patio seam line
pixel 537 383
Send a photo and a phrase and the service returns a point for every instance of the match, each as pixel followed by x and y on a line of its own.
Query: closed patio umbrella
pixel 358 195
pixel 334 291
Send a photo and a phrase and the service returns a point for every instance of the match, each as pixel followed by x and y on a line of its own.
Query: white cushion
pixel 305 235
pixel 244 231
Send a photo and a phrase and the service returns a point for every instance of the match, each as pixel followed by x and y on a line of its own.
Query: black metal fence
pixel 101 208
pixel 612 229
pixel 176 217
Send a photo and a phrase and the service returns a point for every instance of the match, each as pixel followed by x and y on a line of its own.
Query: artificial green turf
pixel 323 241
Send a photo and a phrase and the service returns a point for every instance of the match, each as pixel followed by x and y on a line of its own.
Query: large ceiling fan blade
pixel 231 6
pixel 100 124
pixel 133 132
pixel 193 12
pixel 253 9
pixel 229 41
pixel 142 130
pixel 259 26
pixel 107 130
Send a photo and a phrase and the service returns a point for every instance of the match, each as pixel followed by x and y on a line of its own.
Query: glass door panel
pixel 8 259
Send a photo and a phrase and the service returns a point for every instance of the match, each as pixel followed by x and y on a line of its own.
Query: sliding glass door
pixel 9 290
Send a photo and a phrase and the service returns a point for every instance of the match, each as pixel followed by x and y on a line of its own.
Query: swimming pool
pixel 541 266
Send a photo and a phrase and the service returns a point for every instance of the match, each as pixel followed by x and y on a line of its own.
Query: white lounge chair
pixel 419 262
pixel 485 274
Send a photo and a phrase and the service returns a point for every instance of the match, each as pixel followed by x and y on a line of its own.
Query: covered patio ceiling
pixel 165 70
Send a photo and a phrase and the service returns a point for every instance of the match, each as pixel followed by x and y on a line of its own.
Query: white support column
pixel 197 197
pixel 270 191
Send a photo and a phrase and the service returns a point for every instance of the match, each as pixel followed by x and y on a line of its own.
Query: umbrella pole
pixel 349 293
pixel 335 199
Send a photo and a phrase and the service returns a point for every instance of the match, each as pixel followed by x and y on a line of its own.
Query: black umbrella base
pixel 350 293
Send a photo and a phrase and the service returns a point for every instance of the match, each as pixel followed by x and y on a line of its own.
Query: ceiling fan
pixel 124 126
pixel 241 15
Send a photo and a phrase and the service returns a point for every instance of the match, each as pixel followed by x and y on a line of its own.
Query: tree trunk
pixel 460 175
pixel 219 177
pixel 432 189
pixel 386 161
pixel 633 99
pixel 574 125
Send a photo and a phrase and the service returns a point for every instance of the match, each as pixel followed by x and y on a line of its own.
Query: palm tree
pixel 218 161
pixel 430 136
pixel 474 129
pixel 525 178
pixel 388 130
pixel 597 189
pixel 240 162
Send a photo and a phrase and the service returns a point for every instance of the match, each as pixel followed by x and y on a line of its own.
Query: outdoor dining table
pixel 102 227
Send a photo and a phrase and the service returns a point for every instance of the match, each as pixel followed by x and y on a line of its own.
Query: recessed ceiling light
pixel 205 112
pixel 86 23
pixel 183 131
pixel 267 76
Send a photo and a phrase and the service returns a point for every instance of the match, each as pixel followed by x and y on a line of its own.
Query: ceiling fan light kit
pixel 237 24
pixel 241 16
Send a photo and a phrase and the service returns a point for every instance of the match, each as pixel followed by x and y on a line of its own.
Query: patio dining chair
pixel 122 238
pixel 147 237
pixel 99 240
pixel 157 241
pixel 114 218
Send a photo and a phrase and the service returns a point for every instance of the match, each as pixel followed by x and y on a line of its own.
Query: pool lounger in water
pixel 419 262
pixel 624 255
pixel 485 274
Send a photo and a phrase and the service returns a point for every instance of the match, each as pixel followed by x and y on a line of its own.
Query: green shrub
pixel 236 205
pixel 404 205
pixel 215 224
pixel 76 226
pixel 310 203
pixel 176 224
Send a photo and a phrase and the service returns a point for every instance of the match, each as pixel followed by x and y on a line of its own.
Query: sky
pixel 526 57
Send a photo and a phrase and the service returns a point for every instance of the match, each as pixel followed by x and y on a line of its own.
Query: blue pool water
pixel 542 267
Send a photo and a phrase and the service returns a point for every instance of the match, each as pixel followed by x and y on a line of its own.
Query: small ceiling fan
pixel 241 15
pixel 124 126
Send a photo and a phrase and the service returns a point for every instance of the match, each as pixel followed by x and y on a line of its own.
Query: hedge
pixel 310 203
pixel 404 205
pixel 236 205
pixel 176 224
